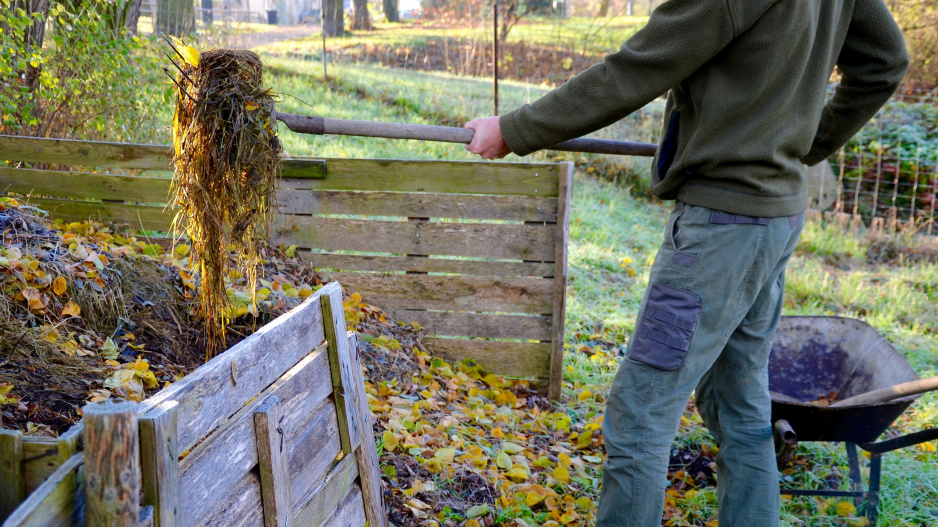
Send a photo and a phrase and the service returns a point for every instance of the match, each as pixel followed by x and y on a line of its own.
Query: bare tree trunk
pixel 390 11
pixel 630 7
pixel 132 15
pixel 333 22
pixel 651 6
pixel 362 19
pixel 604 8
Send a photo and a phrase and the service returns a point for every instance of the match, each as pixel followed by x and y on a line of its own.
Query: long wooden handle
pixel 308 124
pixel 893 392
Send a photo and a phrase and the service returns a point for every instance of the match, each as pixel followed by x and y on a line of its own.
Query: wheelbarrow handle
pixel 893 392
pixel 308 124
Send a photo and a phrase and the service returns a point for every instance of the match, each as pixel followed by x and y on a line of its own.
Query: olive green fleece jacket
pixel 746 108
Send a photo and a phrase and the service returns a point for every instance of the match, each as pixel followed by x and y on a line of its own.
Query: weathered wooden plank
pixel 455 324
pixel 303 168
pixel 561 242
pixel 358 262
pixel 242 508
pixel 55 501
pixel 112 464
pixel 82 185
pixel 40 459
pixel 407 204
pixel 219 388
pixel 512 359
pixel 312 446
pixel 457 177
pixel 340 366
pixel 452 293
pixel 218 463
pixel 480 240
pixel 147 217
pixel 70 442
pixel 329 495
pixel 84 153
pixel 366 454
pixel 271 462
pixel 159 460
pixel 12 482
pixel 349 511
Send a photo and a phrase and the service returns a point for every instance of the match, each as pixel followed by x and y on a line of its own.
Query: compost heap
pixel 225 155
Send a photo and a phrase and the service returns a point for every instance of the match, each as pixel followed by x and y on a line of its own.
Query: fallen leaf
pixel 59 286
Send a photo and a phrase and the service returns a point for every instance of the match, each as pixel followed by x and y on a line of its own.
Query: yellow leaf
pixel 927 446
pixel 59 286
pixel 564 459
pixel 584 395
pixel 445 455
pixel 497 433
pixel 517 473
pixel 473 523
pixel 503 461
pixel 251 106
pixel 561 474
pixel 291 250
pixel 71 309
pixel 845 508
pixel 189 53
pixel 583 503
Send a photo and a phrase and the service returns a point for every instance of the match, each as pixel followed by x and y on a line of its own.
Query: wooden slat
pixel 340 368
pixel 456 177
pixel 40 459
pixel 480 240
pixel 455 324
pixel 303 168
pixel 452 293
pixel 513 359
pixel 272 464
pixel 12 482
pixel 356 262
pixel 329 495
pixel 54 502
pixel 148 216
pixel 313 445
pixel 242 508
pixel 366 454
pixel 112 463
pixel 560 281
pixel 159 464
pixel 214 467
pixel 82 186
pixel 406 204
pixel 349 511
pixel 84 153
pixel 70 442
pixel 219 388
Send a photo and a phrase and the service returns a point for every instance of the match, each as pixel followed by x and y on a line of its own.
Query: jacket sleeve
pixel 872 63
pixel 680 36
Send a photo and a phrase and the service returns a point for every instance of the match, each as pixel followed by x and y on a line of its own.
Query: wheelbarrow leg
pixel 872 512
pixel 856 481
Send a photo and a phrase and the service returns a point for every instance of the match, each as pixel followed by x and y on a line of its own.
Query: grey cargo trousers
pixel 706 323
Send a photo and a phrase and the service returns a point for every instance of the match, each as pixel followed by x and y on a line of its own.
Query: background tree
pixel 391 11
pixel 333 18
pixel 362 18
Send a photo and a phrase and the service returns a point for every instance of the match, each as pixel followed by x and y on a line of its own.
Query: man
pixel 746 82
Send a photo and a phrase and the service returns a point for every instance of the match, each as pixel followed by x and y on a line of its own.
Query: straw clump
pixel 226 158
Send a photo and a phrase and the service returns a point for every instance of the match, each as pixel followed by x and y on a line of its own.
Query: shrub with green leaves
pixel 76 71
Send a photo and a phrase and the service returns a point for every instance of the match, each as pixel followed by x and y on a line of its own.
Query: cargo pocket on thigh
pixel 667 327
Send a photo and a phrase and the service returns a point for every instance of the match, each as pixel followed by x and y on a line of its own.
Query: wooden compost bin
pixel 475 252
pixel 275 431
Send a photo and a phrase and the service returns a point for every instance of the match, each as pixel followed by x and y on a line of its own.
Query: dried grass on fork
pixel 226 157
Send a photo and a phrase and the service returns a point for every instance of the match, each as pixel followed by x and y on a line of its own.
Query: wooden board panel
pixel 454 324
pixel 40 459
pixel 53 503
pixel 81 185
pixel 358 262
pixel 243 508
pixel 13 490
pixel 84 153
pixel 479 240
pixel 349 512
pixel 561 242
pixel 149 216
pixel 457 177
pixel 513 359
pixel 159 464
pixel 214 467
pixel 219 388
pixel 451 293
pixel 406 204
pixel 329 494
pixel 303 168
pixel 312 447
pixel 272 465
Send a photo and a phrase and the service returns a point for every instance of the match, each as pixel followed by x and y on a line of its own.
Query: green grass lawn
pixel 614 238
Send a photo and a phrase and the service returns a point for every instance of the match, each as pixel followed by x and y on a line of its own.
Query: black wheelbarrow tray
pixel 813 357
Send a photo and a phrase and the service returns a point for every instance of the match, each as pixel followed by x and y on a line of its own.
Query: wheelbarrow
pixel 818 359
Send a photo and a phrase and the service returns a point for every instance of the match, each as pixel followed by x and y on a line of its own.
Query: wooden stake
pixel 159 456
pixel 12 481
pixel 112 464
pixel 276 495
